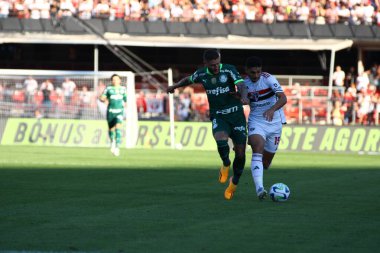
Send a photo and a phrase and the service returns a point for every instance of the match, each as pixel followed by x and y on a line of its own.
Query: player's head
pixel 253 67
pixel 116 80
pixel 211 59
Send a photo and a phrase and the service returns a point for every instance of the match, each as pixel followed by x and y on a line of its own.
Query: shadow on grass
pixel 183 210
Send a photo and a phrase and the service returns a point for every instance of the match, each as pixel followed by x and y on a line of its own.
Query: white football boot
pixel 116 152
pixel 113 147
pixel 261 193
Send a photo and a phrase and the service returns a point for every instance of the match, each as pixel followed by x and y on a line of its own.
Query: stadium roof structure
pixel 222 42
pixel 229 42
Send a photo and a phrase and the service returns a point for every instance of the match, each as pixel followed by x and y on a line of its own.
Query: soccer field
pixel 85 200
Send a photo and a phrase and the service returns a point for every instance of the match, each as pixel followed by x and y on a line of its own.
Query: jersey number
pixel 276 140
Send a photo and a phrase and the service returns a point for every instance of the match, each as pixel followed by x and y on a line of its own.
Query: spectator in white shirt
pixel 31 86
pixel 68 87
pixel 369 13
pixel 5 6
pixel 362 81
pixel 268 17
pixel 176 11
pixel 343 14
pixel 102 9
pixel 338 76
pixel 303 12
pixel 85 9
pixel 250 13
pixel 66 9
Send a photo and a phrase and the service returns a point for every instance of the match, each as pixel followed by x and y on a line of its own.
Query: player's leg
pixel 257 143
pixel 111 134
pixel 220 133
pixel 267 159
pixel 118 129
pixel 221 139
pixel 239 138
pixel 117 141
pixel 271 146
pixel 111 121
pixel 239 162
pixel 238 168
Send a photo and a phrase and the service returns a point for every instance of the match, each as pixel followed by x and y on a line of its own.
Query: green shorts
pixel 234 124
pixel 114 118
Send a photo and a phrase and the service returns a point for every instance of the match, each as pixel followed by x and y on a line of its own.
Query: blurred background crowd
pixel 355 100
pixel 224 11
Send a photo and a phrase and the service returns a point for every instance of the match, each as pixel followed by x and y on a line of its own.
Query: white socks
pixel 257 170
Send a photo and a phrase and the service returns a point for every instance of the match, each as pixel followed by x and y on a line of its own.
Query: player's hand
pixel 268 115
pixel 170 89
pixel 245 101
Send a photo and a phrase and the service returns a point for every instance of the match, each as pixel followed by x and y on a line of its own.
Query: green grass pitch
pixel 86 200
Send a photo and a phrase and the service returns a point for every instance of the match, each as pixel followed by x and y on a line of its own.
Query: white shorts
pixel 270 132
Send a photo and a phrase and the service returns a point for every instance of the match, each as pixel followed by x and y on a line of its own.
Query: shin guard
pixel 224 151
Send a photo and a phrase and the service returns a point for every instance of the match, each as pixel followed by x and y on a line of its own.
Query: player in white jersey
pixel 265 119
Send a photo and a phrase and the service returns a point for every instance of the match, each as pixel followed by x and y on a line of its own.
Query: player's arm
pixel 182 83
pixel 243 91
pixel 125 98
pixel 103 96
pixel 281 101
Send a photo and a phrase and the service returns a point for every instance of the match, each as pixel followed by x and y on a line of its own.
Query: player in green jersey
pixel 116 95
pixel 226 112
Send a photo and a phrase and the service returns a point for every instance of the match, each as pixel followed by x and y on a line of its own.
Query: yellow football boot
pixel 223 173
pixel 229 192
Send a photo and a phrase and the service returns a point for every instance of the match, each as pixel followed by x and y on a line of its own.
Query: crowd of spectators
pixel 47 97
pixel 223 11
pixel 360 101
pixel 355 100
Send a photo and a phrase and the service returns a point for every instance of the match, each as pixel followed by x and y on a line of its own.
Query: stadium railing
pixel 308 101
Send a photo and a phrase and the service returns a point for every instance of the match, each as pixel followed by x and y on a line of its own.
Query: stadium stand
pixel 318 19
pixel 319 12
pixel 356 20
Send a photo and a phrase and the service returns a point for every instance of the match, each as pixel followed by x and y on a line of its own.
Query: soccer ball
pixel 279 192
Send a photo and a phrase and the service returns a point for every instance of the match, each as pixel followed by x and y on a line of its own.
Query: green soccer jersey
pixel 116 97
pixel 218 88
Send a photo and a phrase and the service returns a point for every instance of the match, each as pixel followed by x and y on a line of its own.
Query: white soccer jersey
pixel 262 96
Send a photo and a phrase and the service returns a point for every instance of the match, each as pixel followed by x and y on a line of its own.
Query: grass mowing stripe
pixel 54 157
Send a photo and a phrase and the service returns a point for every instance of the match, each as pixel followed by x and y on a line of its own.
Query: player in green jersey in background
pixel 116 95
pixel 226 112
